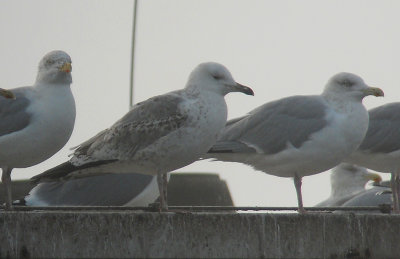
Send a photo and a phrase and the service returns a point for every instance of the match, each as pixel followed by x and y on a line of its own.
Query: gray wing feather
pixel 13 114
pixel 372 197
pixel 143 125
pixel 273 125
pixel 383 135
pixel 92 191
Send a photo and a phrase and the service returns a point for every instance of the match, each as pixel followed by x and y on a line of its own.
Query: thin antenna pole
pixel 135 7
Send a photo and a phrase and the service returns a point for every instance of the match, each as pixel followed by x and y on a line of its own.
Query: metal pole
pixel 135 7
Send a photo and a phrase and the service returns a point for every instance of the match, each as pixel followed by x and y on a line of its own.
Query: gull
pixel 380 150
pixel 134 190
pixel 161 134
pixel 39 120
pixel 379 194
pixel 299 136
pixel 348 181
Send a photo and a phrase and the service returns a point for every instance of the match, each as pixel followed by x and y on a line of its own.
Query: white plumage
pixel 39 121
pixel 300 135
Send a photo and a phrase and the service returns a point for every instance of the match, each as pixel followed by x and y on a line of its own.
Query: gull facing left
pixel 161 134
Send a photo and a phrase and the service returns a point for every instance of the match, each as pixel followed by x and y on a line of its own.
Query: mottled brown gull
pixel 161 134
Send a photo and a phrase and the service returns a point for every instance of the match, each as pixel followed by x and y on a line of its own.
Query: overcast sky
pixel 279 48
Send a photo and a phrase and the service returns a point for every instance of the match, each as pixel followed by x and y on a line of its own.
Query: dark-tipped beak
pixel 374 91
pixel 242 88
pixel 7 94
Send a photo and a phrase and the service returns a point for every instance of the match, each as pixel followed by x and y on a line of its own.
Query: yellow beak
pixel 66 67
pixel 374 177
pixel 7 94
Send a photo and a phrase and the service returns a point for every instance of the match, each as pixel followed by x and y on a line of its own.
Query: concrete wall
pixel 138 234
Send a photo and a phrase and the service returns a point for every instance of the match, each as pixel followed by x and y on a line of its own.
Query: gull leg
pixel 165 183
pixel 397 182
pixel 297 185
pixel 163 190
pixel 395 195
pixel 6 179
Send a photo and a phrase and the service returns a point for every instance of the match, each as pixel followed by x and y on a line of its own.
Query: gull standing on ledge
pixel 300 135
pixel 380 150
pixel 161 134
pixel 347 181
pixel 39 120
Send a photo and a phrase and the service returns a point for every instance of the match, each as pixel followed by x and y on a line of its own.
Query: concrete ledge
pixel 138 234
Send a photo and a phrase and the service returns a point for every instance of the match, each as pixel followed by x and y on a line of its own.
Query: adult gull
pixel 348 181
pixel 299 135
pixel 380 194
pixel 39 120
pixel 380 150
pixel 161 134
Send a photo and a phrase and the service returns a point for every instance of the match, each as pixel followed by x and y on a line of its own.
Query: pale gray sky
pixel 279 48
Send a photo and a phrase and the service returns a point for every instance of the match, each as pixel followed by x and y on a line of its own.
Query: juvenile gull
pixel 129 190
pixel 39 120
pixel 299 135
pixel 161 134
pixel 347 181
pixel 380 150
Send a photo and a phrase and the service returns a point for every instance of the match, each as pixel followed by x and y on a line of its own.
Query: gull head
pixel 55 68
pixel 350 86
pixel 349 177
pixel 216 78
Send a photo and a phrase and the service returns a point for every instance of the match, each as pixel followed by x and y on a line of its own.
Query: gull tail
pixel 67 171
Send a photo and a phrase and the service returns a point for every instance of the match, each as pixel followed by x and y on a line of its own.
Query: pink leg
pixel 6 179
pixel 162 187
pixel 395 194
pixel 297 185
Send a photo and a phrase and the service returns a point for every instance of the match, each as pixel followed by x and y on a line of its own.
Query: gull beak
pixel 66 67
pixel 376 178
pixel 374 91
pixel 7 94
pixel 242 88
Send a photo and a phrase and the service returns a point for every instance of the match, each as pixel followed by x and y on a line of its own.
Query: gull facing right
pixel 300 135
pixel 159 135
pixel 380 149
pixel 348 181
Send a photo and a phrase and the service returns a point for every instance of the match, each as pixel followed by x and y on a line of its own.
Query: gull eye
pixel 347 83
pixel 49 62
pixel 217 77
